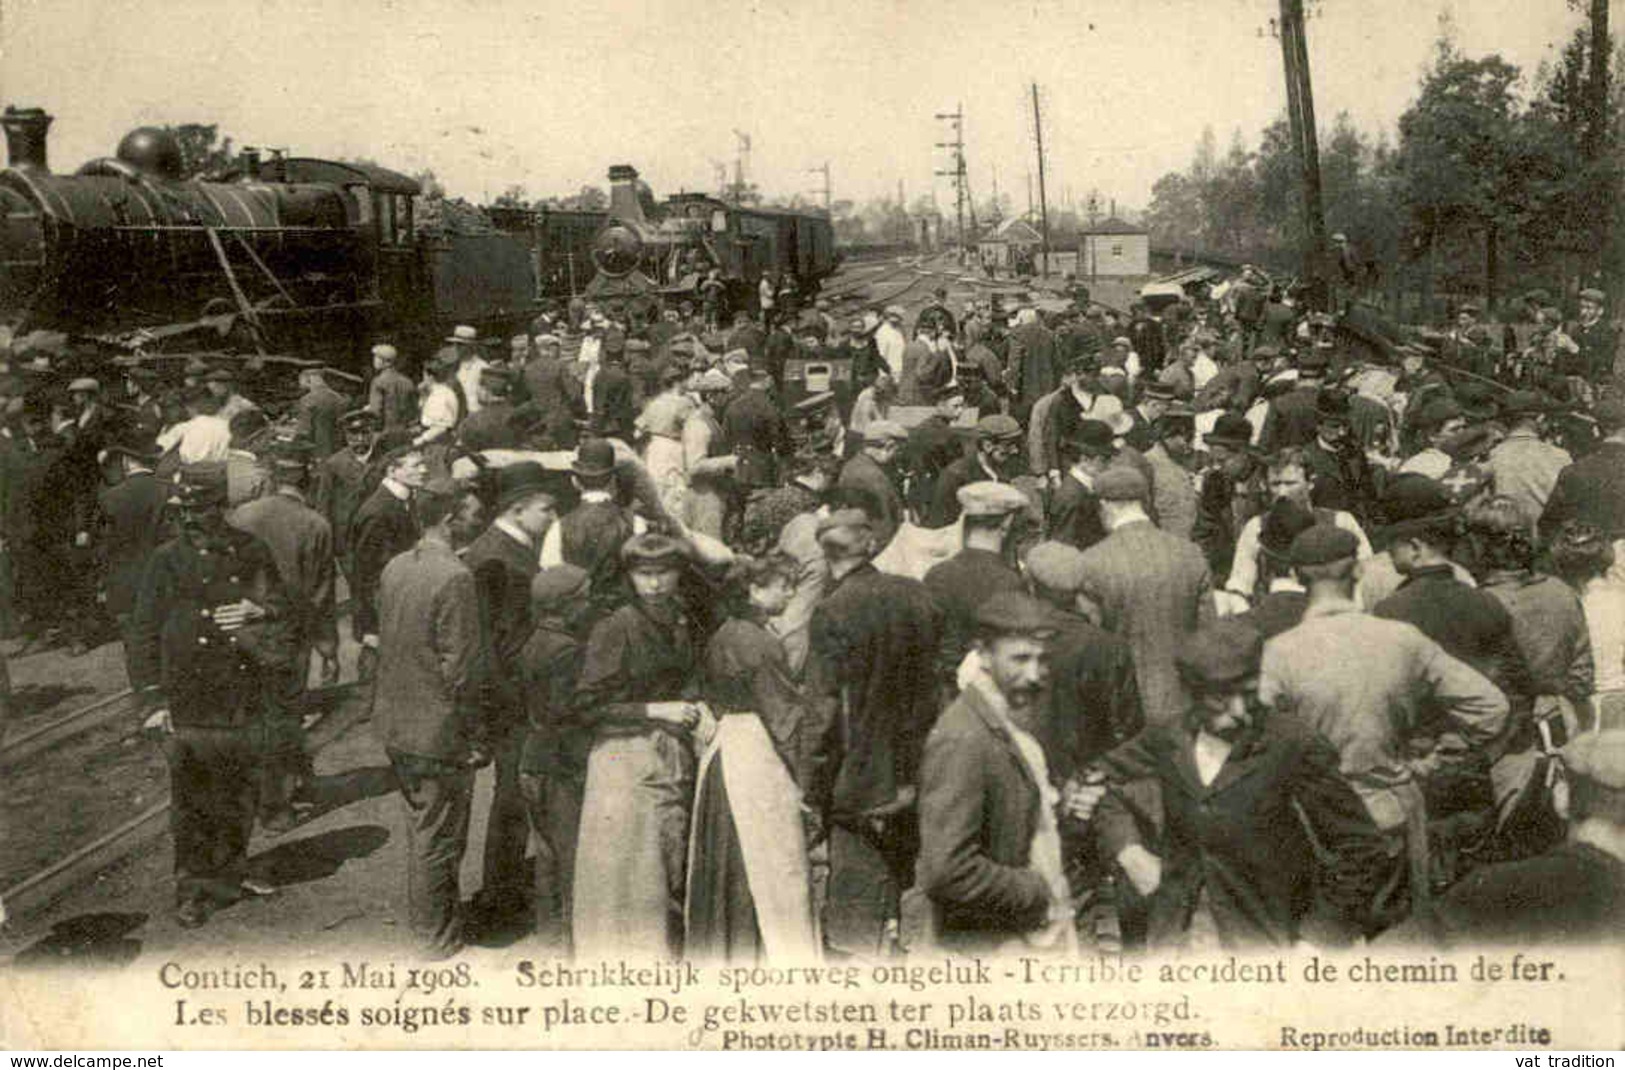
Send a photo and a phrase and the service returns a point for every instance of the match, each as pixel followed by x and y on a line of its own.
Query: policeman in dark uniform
pixel 210 630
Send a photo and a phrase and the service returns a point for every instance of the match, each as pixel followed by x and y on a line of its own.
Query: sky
pixel 493 93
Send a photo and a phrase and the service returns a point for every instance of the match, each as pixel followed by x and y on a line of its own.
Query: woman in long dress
pixel 662 420
pixel 637 690
pixel 749 889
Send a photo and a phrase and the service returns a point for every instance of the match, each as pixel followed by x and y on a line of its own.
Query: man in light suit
pixel 1150 587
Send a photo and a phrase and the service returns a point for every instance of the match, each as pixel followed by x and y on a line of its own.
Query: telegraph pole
pixel 1043 207
pixel 956 119
pixel 1301 112
pixel 824 170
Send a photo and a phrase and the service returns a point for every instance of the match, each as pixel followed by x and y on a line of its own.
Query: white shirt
pixel 468 376
pixel 439 413
pixel 518 534
pixel 1431 462
pixel 203 438
pixel 1604 605
pixel 891 343
pixel 1244 571
pixel 1210 755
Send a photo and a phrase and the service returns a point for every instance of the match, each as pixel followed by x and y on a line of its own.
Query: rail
pixel 41 888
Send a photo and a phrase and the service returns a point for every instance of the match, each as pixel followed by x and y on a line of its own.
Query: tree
pixel 513 197
pixel 1457 153
pixel 203 151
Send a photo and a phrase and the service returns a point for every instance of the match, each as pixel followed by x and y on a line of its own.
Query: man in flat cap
pixel 425 711
pixel 1153 588
pixel 391 396
pixel 871 695
pixel 1094 695
pixel 211 630
pixel 981 569
pixel 504 560
pixel 348 478
pixel 1524 466
pixel 990 844
pixel 997 458
pixel 301 543
pixel 1592 489
pixel 1371 707
pixel 874 470
pixel 1590 345
pixel 1571 894
pixel 317 413
pixel 1236 867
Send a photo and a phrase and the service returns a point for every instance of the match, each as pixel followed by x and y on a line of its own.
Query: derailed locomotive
pixel 640 247
pixel 307 257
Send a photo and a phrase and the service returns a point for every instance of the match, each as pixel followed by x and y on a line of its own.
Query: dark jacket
pixel 960 585
pixel 383 527
pixel 318 413
pixel 492 428
pixel 1094 695
pixel 343 482
pixel 590 537
pixel 870 689
pixel 554 392
pixel 1291 420
pixel 503 568
pixel 207 677
pixel 612 411
pixel 978 812
pixel 1574 893
pixel 1470 624
pixel 756 432
pixel 301 544
pixel 1241 839
pixel 638 655
pixel 864 473
pixel 1591 489
pixel 931 447
pixel 558 742
pixel 394 398
pixel 1074 514
pixel 133 526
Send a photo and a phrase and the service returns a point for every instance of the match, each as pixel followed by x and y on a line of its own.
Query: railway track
pixel 338 706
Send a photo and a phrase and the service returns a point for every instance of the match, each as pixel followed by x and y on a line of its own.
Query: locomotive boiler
pixel 292 255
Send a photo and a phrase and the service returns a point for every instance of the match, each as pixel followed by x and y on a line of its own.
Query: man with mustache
pixel 1235 866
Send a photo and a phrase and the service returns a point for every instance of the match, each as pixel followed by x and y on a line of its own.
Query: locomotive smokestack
pixel 251 163
pixel 25 137
pixel 624 202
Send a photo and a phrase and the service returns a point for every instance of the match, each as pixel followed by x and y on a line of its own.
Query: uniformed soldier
pixel 211 631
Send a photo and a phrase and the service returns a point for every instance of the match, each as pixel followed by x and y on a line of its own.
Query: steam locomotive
pixel 640 247
pixel 287 255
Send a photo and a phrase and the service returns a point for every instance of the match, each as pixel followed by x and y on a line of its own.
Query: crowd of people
pixel 1212 623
